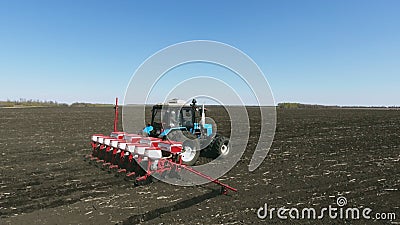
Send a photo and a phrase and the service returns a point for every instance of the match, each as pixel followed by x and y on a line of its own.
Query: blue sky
pixel 325 52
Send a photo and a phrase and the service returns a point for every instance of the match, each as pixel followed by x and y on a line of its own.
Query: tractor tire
pixel 190 146
pixel 190 152
pixel 221 146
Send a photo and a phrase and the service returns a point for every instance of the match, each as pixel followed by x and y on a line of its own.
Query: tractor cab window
pixel 157 116
pixel 173 117
pixel 187 118
pixel 169 117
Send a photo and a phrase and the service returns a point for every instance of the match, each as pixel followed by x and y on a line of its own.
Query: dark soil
pixel 317 156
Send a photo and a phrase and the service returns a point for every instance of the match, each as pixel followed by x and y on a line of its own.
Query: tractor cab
pixel 173 115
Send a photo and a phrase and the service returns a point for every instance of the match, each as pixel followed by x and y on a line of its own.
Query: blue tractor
pixel 186 123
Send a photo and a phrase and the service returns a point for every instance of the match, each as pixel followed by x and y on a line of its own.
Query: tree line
pixel 40 103
pixel 295 105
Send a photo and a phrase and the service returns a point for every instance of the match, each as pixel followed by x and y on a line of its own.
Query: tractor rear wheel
pixel 221 146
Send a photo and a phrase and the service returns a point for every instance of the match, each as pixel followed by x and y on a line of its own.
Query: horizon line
pixel 254 105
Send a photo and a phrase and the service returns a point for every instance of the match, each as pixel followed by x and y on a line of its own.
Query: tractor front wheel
pixel 190 145
pixel 190 152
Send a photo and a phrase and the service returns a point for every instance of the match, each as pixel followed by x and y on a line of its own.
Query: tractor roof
pixel 174 102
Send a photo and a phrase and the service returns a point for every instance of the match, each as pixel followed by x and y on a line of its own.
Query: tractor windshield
pixel 165 117
pixel 170 117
